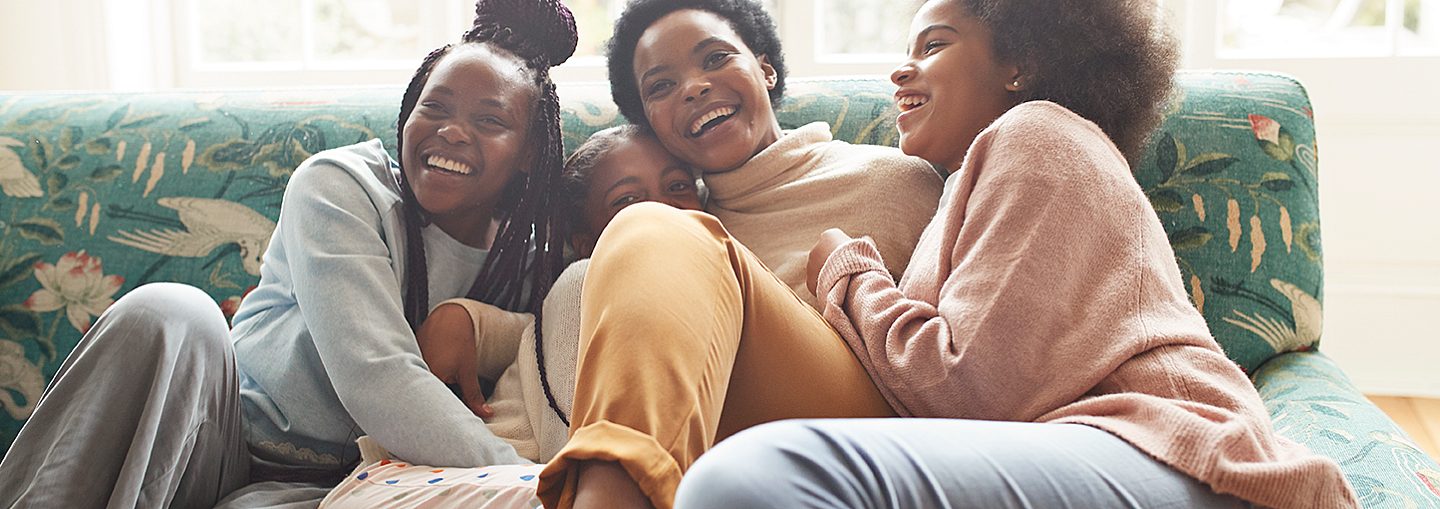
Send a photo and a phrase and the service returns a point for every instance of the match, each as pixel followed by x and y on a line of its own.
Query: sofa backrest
pixel 104 192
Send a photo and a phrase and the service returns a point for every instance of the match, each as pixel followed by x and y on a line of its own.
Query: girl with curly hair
pixel 162 404
pixel 1042 323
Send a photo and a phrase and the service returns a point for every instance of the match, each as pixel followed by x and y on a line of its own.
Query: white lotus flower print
pixel 18 375
pixel 15 179
pixel 1304 307
pixel 76 283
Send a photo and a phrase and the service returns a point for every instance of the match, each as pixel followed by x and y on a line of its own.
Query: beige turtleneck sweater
pixel 806 182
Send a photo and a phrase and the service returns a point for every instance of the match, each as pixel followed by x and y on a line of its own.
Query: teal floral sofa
pixel 104 192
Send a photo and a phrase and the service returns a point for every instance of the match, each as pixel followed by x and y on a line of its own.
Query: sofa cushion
pixel 104 192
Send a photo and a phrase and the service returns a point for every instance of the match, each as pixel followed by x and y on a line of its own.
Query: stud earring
pixel 1015 83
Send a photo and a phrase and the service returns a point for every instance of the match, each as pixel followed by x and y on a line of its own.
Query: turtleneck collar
pixel 783 161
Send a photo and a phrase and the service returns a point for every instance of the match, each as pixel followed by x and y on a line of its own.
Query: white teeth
pixel 909 102
pixel 449 165
pixel 712 115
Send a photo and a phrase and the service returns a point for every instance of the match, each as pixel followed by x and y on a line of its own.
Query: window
pixel 863 29
pixel 1330 28
pixel 1365 62
pixel 240 43
pixel 230 43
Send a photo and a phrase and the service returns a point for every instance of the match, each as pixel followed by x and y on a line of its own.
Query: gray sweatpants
pixel 934 463
pixel 145 412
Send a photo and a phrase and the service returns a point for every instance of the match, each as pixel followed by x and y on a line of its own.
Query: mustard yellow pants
pixel 687 338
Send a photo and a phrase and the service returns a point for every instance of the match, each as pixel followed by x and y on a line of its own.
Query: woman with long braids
pixel 160 405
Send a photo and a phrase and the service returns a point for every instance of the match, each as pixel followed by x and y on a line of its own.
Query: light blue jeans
pixel 934 463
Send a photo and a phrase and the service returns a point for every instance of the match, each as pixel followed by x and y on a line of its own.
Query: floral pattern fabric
pixel 1232 173
pixel 100 193
pixel 1312 402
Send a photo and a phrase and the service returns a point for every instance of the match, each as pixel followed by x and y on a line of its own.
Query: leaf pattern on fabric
pixel 1234 148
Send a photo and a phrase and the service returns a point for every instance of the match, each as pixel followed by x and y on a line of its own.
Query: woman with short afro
pixel 695 325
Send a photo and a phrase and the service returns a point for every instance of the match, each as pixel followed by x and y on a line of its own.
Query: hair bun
pixel 546 25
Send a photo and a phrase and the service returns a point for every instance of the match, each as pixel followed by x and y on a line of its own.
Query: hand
pixel 830 240
pixel 447 343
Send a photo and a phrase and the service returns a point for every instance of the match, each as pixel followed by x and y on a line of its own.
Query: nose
pixel 902 74
pixel 454 134
pixel 697 89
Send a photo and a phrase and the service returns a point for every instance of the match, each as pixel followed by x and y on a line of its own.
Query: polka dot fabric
pixel 395 484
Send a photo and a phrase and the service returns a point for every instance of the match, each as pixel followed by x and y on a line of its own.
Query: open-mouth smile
pixel 909 102
pixel 447 165
pixel 710 119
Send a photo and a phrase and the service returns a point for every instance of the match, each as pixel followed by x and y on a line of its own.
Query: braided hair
pixel 527 254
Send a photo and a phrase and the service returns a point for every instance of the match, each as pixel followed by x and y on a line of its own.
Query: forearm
pixel 903 343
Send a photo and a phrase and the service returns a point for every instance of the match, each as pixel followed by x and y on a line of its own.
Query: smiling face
pixel 636 169
pixel 951 85
pixel 705 94
pixel 467 137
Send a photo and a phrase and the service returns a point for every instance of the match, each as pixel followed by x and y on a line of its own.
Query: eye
pixel 931 46
pixel 713 60
pixel 624 200
pixel 659 87
pixel 490 121
pixel 680 186
pixel 432 108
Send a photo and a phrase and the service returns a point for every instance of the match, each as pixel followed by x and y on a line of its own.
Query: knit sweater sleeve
pixel 497 334
pixel 349 297
pixel 1021 290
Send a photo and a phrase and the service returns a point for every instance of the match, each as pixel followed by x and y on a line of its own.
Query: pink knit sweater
pixel 1045 290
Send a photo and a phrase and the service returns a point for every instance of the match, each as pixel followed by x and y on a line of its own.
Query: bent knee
pixel 166 298
pixel 161 312
pixel 726 476
pixel 642 226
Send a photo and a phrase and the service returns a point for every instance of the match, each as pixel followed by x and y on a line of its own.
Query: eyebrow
pixel 698 48
pixel 627 180
pixel 926 31
pixel 673 169
pixel 488 101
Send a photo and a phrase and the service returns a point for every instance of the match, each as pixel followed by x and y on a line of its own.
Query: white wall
pixel 1377 126
pixel 51 44
pixel 1378 141
pixel 1381 221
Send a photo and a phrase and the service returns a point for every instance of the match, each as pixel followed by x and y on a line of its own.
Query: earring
pixel 1015 83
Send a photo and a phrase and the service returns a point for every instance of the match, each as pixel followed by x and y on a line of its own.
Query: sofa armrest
pixel 1312 402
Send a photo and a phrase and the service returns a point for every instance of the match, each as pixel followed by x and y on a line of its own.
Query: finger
pixel 470 391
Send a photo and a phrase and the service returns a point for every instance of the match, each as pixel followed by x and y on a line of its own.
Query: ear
pixel 771 77
pixel 1017 79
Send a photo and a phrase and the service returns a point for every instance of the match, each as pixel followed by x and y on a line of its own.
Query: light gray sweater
pixel 323 347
